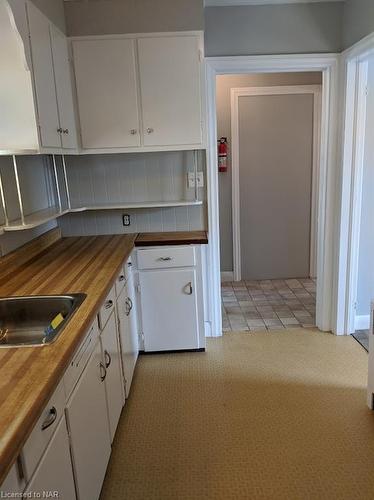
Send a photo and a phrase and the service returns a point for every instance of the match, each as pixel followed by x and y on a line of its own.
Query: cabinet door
pixel 64 88
pixel 169 309
pixel 170 90
pixel 107 93
pixel 44 78
pixel 54 472
pixel 89 432
pixel 113 380
pixel 128 328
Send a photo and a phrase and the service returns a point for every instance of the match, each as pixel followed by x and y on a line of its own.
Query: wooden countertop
pixel 51 265
pixel 173 238
pixel 28 376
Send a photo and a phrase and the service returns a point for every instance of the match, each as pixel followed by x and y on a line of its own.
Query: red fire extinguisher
pixel 222 154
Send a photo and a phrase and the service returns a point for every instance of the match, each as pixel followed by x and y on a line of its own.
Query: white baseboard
pixel 362 322
pixel 227 276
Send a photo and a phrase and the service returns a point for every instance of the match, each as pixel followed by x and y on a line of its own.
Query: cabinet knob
pixel 150 130
pixel 59 130
pixel 133 131
pixel 50 419
pixel 65 131
pixel 108 304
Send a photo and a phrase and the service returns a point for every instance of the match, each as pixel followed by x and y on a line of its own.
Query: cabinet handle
pixel 65 131
pixel 102 369
pixel 130 303
pixel 108 359
pixel 133 131
pixel 121 278
pixel 128 307
pixel 189 288
pixel 165 259
pixel 108 304
pixel 150 130
pixel 129 264
pixel 50 419
pixel 59 130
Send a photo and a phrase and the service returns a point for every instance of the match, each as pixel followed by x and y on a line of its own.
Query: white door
pixel 55 472
pixel 105 72
pixel 170 90
pixel 113 380
pixel 89 431
pixel 169 309
pixel 128 327
pixel 44 78
pixel 64 88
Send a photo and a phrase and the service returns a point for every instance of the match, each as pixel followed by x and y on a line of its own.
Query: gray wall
pixel 358 21
pixel 365 291
pixel 224 84
pixel 273 29
pixel 133 16
pixel 54 9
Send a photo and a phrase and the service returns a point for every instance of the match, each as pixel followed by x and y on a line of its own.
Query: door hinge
pixel 141 335
pixel 138 289
pixel 355 306
pixel 200 55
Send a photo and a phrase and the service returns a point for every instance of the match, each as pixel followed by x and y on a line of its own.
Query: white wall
pixel 273 29
pixel 224 85
pixel 365 290
pixel 133 16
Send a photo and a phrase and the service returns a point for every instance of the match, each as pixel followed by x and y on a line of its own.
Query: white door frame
pixel 328 65
pixel 354 74
pixel 237 92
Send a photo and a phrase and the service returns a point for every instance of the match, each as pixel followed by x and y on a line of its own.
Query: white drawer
pixel 80 358
pixel 107 308
pixel 43 430
pixel 166 257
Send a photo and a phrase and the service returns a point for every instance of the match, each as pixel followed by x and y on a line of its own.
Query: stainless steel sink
pixel 25 321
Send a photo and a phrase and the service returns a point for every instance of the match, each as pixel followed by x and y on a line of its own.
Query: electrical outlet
pixel 191 179
pixel 126 219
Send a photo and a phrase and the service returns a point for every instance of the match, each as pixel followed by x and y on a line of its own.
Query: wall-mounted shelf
pixel 60 201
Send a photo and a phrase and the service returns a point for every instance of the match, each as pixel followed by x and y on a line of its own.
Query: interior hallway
pixel 268 305
pixel 276 416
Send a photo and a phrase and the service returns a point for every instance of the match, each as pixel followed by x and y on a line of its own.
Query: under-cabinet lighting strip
pixel 2 195
pixel 195 174
pixel 66 182
pixel 18 190
pixel 57 185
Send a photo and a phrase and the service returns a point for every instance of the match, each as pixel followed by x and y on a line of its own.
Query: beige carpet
pixel 278 415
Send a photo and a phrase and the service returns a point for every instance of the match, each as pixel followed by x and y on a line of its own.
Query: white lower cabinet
pixel 113 379
pixel 54 472
pixel 171 298
pixel 128 330
pixel 86 413
pixel 14 483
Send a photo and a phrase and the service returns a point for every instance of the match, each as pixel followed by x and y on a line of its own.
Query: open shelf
pixel 42 216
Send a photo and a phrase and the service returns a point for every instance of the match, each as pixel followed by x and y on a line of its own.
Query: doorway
pixel 327 64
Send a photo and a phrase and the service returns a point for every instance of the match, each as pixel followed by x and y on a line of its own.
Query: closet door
pixel 170 90
pixel 105 72
pixel 64 88
pixel 44 78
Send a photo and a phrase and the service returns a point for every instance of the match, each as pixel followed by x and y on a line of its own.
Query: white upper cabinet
pixel 105 73
pixel 52 79
pixel 64 92
pixel 140 93
pixel 170 90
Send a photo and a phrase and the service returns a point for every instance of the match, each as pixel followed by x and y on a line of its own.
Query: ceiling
pixel 221 3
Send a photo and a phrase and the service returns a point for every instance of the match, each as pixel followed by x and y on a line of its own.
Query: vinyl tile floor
pixel 265 305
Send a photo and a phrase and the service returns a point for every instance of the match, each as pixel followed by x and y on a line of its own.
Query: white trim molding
pixel 235 3
pixel 362 322
pixel 236 93
pixel 354 70
pixel 227 276
pixel 328 65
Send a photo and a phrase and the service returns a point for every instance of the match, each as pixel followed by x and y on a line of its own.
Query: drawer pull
pixel 188 288
pixel 129 305
pixel 102 372
pixel 50 419
pixel 121 278
pixel 108 304
pixel 165 259
pixel 108 359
